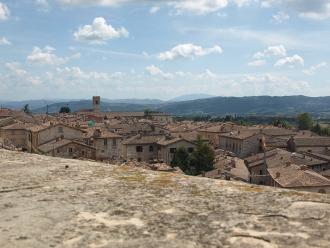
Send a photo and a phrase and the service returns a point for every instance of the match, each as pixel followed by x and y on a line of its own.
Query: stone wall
pixel 55 202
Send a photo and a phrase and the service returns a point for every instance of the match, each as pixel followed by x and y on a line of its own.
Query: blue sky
pixel 73 49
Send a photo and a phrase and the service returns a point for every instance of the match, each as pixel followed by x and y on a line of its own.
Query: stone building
pixel 168 146
pixel 241 143
pixel 42 134
pixel 212 133
pixel 154 148
pixel 107 144
pixel 141 148
pixel 18 135
pixel 67 149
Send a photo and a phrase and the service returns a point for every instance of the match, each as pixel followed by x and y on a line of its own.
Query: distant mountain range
pixel 215 106
pixel 258 105
pixel 191 97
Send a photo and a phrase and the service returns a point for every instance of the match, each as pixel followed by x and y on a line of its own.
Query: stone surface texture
pixel 53 202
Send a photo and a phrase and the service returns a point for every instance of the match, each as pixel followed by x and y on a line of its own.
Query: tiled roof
pixel 57 144
pixel 190 136
pixel 244 134
pixel 277 132
pixel 18 126
pixel 53 145
pixel 143 139
pixel 312 141
pixel 293 176
pixel 170 141
pixel 279 157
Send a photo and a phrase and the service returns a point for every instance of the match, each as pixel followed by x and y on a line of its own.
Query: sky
pixel 119 49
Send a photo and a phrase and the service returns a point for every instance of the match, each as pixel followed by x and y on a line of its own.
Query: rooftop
pixel 54 202
pixel 294 176
pixel 244 134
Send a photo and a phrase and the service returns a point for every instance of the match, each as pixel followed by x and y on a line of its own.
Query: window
pixel 60 129
pixel 58 150
pixel 139 149
pixel 114 142
pixel 70 150
pixel 105 142
pixel 190 150
pixel 83 153
pixel 172 150
pixel 260 172
pixel 151 148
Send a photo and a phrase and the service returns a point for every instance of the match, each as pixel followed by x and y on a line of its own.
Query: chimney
pixel 277 175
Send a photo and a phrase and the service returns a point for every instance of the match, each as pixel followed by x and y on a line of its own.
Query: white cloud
pixel 93 2
pixel 19 76
pixel 154 9
pixel 290 61
pixel 257 63
pixel 269 84
pixel 43 3
pixel 188 51
pixel 75 73
pixel 46 56
pixel 280 17
pixel 199 7
pixel 313 69
pixel 312 9
pixel 4 12
pixel 155 71
pixel 278 51
pixel 241 3
pixel 4 41
pixel 99 32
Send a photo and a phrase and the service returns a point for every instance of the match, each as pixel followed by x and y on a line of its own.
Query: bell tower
pixel 96 103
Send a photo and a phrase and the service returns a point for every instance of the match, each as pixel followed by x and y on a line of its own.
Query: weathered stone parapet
pixel 53 202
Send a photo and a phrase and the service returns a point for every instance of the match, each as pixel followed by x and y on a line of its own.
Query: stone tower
pixel 96 103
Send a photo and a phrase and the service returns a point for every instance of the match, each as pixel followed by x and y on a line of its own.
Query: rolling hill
pixel 259 105
pixel 215 106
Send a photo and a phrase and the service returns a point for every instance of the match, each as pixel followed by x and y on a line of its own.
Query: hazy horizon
pixel 132 49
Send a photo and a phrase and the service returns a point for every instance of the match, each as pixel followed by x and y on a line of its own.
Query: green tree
pixel 202 159
pixel 26 109
pixel 181 159
pixel 305 122
pixel 65 109
pixel 317 128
